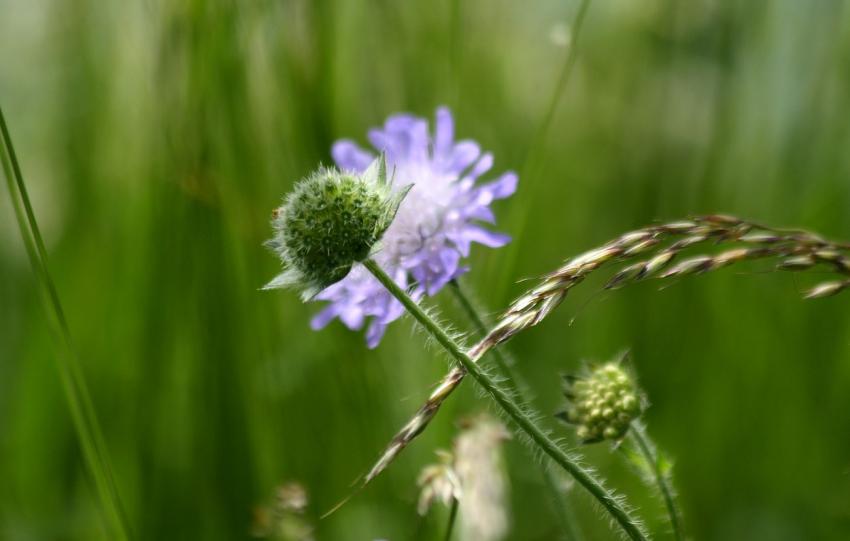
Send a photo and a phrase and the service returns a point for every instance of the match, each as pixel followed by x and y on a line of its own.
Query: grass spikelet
pixel 518 413
pixel 531 308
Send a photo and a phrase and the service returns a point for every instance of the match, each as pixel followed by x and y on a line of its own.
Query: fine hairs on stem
pixel 514 411
pixel 655 248
pixel 658 473
pixel 563 508
pixel 76 392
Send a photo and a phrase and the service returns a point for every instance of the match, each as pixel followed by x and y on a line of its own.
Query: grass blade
pixel 79 401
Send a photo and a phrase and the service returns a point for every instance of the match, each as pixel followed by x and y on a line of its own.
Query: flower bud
pixel 604 402
pixel 329 222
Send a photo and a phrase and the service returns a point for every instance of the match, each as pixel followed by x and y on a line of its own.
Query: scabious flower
pixel 603 403
pixel 329 222
pixel 436 222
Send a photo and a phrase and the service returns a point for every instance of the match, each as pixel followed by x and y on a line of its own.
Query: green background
pixel 157 136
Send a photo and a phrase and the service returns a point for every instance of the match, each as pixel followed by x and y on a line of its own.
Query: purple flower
pixel 435 225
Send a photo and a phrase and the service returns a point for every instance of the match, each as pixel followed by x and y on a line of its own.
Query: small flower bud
pixel 329 222
pixel 439 483
pixel 603 403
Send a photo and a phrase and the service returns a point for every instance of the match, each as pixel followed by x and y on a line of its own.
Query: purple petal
pixel 461 242
pixel 483 214
pixel 463 155
pixel 374 334
pixel 403 138
pixel 401 123
pixel 460 272
pixel 325 316
pixel 483 165
pixel 504 187
pixel 350 157
pixel 394 310
pixel 444 131
pixel 487 238
pixel 450 260
pixel 352 317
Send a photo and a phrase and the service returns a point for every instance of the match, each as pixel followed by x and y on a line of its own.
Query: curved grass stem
pixel 660 476
pixel 79 401
pixel 563 509
pixel 536 434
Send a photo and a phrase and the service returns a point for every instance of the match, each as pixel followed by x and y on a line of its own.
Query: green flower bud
pixel 329 222
pixel 604 402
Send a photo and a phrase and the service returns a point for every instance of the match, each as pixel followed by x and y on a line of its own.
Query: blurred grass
pixel 157 136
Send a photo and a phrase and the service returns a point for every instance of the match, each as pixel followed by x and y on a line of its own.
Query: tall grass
pixel 156 137
pixel 79 401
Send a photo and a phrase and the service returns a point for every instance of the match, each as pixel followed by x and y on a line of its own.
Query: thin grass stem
pixel 80 404
pixel 661 478
pixel 477 319
pixel 566 513
pixel 450 527
pixel 656 248
pixel 563 509
pixel 536 434
pixel 533 158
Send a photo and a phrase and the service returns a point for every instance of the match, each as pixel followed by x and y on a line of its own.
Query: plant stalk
pixel 77 395
pixel 563 508
pixel 452 519
pixel 512 409
pixel 644 445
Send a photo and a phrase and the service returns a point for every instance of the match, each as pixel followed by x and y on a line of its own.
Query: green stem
pixel 513 410
pixel 565 511
pixel 513 381
pixel 537 148
pixel 645 446
pixel 560 85
pixel 79 401
pixel 468 306
pixel 452 519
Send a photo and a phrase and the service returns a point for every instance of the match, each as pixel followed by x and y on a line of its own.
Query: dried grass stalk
pixel 652 251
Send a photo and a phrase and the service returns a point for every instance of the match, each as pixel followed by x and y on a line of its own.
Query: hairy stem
pixel 563 509
pixel 512 409
pixel 481 327
pixel 76 392
pixel 644 445
pixel 656 250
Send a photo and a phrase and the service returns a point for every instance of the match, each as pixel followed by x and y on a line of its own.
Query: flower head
pixel 329 222
pixel 480 466
pixel 473 475
pixel 439 483
pixel 603 403
pixel 435 225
